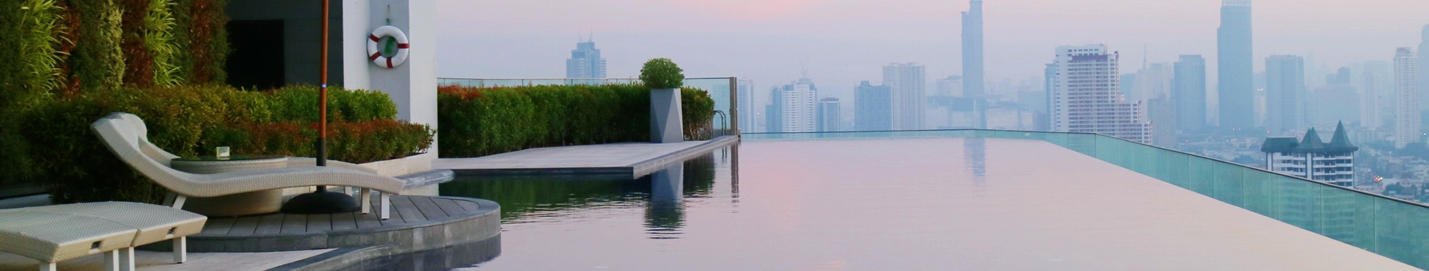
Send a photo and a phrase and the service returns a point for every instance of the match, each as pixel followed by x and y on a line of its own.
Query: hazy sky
pixel 841 42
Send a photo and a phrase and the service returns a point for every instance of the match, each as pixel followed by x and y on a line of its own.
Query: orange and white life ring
pixel 376 53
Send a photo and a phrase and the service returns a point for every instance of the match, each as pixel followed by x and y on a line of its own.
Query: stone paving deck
pixel 635 159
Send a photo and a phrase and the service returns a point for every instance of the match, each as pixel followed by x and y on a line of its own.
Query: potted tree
pixel 664 79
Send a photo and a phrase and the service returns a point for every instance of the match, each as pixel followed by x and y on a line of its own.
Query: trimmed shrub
pixel 698 109
pixel 485 121
pixel 352 142
pixel 299 103
pixel 662 73
pixel 187 121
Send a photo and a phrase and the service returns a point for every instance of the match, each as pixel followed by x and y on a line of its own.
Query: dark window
pixel 257 57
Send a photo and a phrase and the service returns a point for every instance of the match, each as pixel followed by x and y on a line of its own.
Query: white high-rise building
pixel 907 86
pixel 1086 97
pixel 1312 158
pixel 798 106
pixel 1406 90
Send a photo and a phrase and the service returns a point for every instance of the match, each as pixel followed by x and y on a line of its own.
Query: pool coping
pixel 633 170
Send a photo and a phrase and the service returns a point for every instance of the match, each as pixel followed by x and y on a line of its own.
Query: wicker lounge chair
pixel 126 135
pixel 61 232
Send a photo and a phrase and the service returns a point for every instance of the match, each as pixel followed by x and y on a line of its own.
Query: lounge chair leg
pixel 48 267
pixel 179 202
pixel 111 260
pixel 181 249
pixel 384 211
pixel 366 199
pixel 126 259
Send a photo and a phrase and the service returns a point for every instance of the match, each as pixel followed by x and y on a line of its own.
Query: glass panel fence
pixel 1393 228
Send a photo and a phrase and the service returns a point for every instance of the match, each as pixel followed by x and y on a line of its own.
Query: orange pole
pixel 322 98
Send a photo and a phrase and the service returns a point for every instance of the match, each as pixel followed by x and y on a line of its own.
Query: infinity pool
pixel 891 204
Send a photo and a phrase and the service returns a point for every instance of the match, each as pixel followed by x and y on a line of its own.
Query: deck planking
pixel 406 210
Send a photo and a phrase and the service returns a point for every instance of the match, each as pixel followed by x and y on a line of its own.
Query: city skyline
pixel 927 34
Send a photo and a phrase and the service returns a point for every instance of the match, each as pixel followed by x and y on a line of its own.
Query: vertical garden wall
pixel 59 49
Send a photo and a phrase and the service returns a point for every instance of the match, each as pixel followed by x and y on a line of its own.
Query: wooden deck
pixel 405 210
pixel 281 232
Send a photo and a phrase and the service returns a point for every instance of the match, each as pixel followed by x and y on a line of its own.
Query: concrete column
pixel 413 84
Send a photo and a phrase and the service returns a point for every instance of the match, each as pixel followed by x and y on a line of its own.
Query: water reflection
pixel 527 199
pixel 975 156
pixel 665 213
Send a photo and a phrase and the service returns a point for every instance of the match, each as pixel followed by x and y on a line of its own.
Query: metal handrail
pixel 723 120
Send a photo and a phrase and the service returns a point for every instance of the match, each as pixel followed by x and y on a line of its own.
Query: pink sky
pixel 840 42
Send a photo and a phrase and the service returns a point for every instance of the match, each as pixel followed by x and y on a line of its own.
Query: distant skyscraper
pixel 872 108
pixel 585 62
pixel 1370 111
pixel 1188 91
pixel 907 84
pixel 797 106
pixel 774 112
pixel 1285 93
pixel 1237 84
pixel 952 86
pixel 1152 82
pixel 830 115
pixel 1406 88
pixel 1049 76
pixel 1085 97
pixel 745 106
pixel 1423 67
pixel 973 77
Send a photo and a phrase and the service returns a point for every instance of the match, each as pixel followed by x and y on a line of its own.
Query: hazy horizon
pixel 840 43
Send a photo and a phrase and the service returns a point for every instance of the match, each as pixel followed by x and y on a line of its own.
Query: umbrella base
pixel 321 203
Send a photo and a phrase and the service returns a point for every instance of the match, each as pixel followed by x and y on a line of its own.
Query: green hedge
pixel 353 142
pixel 484 121
pixel 188 121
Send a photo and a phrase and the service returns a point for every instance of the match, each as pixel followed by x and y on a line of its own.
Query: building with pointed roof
pixel 1312 158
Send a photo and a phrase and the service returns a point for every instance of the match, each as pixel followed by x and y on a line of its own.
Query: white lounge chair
pixel 61 232
pixel 126 135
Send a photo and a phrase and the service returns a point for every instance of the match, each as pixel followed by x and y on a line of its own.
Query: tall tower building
pixel 872 108
pixel 973 76
pixel 1406 91
pixel 745 105
pixel 797 106
pixel 585 62
pixel 1234 57
pixel 830 115
pixel 1370 110
pixel 1423 67
pixel 907 85
pixel 774 112
pixel 1285 94
pixel 1086 99
pixel 1188 91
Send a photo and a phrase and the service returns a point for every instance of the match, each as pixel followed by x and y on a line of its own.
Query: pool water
pixel 892 204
